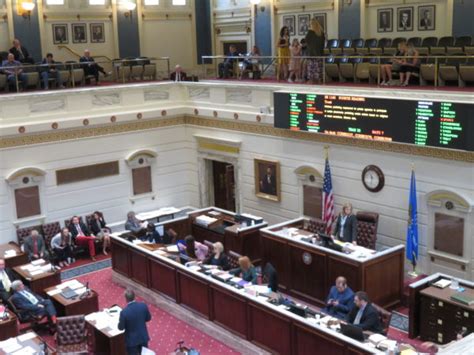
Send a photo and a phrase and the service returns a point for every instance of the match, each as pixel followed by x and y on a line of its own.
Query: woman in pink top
pixel 295 63
pixel 193 249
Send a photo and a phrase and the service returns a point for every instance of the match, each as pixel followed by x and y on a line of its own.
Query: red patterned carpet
pixel 164 329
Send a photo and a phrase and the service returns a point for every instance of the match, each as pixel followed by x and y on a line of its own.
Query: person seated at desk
pixel 34 246
pixel 61 245
pixel 340 299
pixel 134 225
pixel 178 74
pixel 218 257
pixel 270 277
pixel 152 235
pixel 245 270
pixel 100 230
pixel 7 276
pixel 364 315
pixel 32 304
pixel 193 249
pixel 82 236
pixel 346 225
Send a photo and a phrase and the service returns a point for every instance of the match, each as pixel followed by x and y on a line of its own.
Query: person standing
pixel 283 46
pixel 295 63
pixel 315 48
pixel 346 225
pixel 132 320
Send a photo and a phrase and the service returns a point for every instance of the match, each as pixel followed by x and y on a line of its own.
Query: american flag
pixel 328 198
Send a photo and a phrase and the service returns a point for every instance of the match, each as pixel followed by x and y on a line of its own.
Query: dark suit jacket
pixel 133 320
pixel 271 277
pixel 95 227
pixel 75 232
pixel 350 229
pixel 24 305
pixel 369 321
pixel 25 52
pixel 173 76
pixel 223 261
pixel 269 187
pixel 4 295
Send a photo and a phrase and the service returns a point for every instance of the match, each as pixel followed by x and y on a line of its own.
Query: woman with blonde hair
pixel 245 270
pixel 315 39
pixel 283 46
pixel 295 63
pixel 346 225
pixel 218 257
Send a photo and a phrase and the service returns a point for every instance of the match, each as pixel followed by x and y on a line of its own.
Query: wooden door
pixel 224 185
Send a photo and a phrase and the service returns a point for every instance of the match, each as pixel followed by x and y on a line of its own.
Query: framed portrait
pixel 303 24
pixel 60 34
pixel 79 33
pixel 427 18
pixel 289 21
pixel 405 19
pixel 97 33
pixel 267 179
pixel 385 20
pixel 321 17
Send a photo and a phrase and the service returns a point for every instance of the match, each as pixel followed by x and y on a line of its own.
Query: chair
pixel 25 317
pixel 466 72
pixel 333 46
pixel 362 70
pixel 210 247
pixel 332 68
pixel 3 82
pixel 428 71
pixel 441 47
pixel 346 46
pixel 416 41
pixel 136 72
pixel 459 44
pixel 371 43
pixel 49 231
pixel 397 41
pixel 385 318
pixel 426 45
pixel 123 73
pixel 384 43
pixel 22 233
pixel 71 336
pixel 316 225
pixel 348 68
pixel 149 72
pixel 367 223
pixel 449 71
pixel 233 258
pixel 32 79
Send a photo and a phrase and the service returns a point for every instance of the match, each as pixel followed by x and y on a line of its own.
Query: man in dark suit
pixel 30 303
pixel 405 21
pixel 82 236
pixel 364 315
pixel 90 66
pixel 6 278
pixel 228 64
pixel 425 22
pixel 35 246
pixel 268 183
pixel 178 74
pixel 133 319
pixel 21 53
pixel 346 225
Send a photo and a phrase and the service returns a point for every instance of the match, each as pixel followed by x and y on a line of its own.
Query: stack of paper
pixel 9 346
pixel 205 220
pixel 25 351
pixel 9 253
pixel 38 262
pixel 26 336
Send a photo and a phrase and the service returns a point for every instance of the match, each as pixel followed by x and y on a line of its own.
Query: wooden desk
pixel 77 306
pixel 308 270
pixel 241 239
pixel 433 315
pixel 38 283
pixel 36 343
pixel 19 259
pixel 8 327
pixel 260 322
pixel 106 343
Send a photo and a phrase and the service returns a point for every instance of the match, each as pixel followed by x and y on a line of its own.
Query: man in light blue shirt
pixel 12 72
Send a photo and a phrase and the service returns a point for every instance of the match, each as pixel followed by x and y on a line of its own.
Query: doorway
pixel 223 182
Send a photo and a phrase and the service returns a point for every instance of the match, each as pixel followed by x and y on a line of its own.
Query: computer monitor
pixel 326 239
pixel 160 229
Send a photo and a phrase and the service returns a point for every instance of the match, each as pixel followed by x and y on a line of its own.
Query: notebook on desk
pixel 67 293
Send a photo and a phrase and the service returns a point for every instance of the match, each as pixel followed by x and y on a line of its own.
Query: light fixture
pixel 27 7
pixel 255 2
pixel 129 6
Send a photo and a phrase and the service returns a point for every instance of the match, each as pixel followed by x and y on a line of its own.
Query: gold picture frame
pixel 267 188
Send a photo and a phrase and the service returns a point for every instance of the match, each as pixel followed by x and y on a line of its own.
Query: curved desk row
pixel 251 317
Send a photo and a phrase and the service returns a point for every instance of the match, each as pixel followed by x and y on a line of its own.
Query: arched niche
pixel 310 185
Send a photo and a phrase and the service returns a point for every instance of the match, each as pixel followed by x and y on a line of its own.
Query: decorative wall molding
pixel 30 170
pixel 218 145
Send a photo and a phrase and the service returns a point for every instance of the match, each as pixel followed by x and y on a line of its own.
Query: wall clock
pixel 373 178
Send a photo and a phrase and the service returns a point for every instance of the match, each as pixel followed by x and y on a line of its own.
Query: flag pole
pixel 326 152
pixel 413 274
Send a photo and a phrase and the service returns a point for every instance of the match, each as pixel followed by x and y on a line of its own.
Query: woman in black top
pixel 100 230
pixel 315 48
pixel 218 257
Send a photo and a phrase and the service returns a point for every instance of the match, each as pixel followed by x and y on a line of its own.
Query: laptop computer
pixel 353 332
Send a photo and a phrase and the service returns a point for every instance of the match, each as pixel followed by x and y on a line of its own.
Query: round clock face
pixel 373 178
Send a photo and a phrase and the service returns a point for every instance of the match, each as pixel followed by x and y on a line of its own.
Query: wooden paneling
pixel 312 201
pixel 162 278
pixel 309 342
pixel 308 279
pixel 27 201
pixel 229 311
pixel 120 258
pixel 194 293
pixel 449 234
pixel 338 266
pixel 276 251
pixel 201 234
pixel 141 178
pixel 270 330
pixel 139 268
pixel 182 227
pixel 87 172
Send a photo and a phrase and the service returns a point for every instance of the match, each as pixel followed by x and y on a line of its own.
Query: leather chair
pixel 316 225
pixel 25 317
pixel 367 223
pixel 233 259
pixel 22 233
pixel 385 318
pixel 50 230
pixel 71 336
